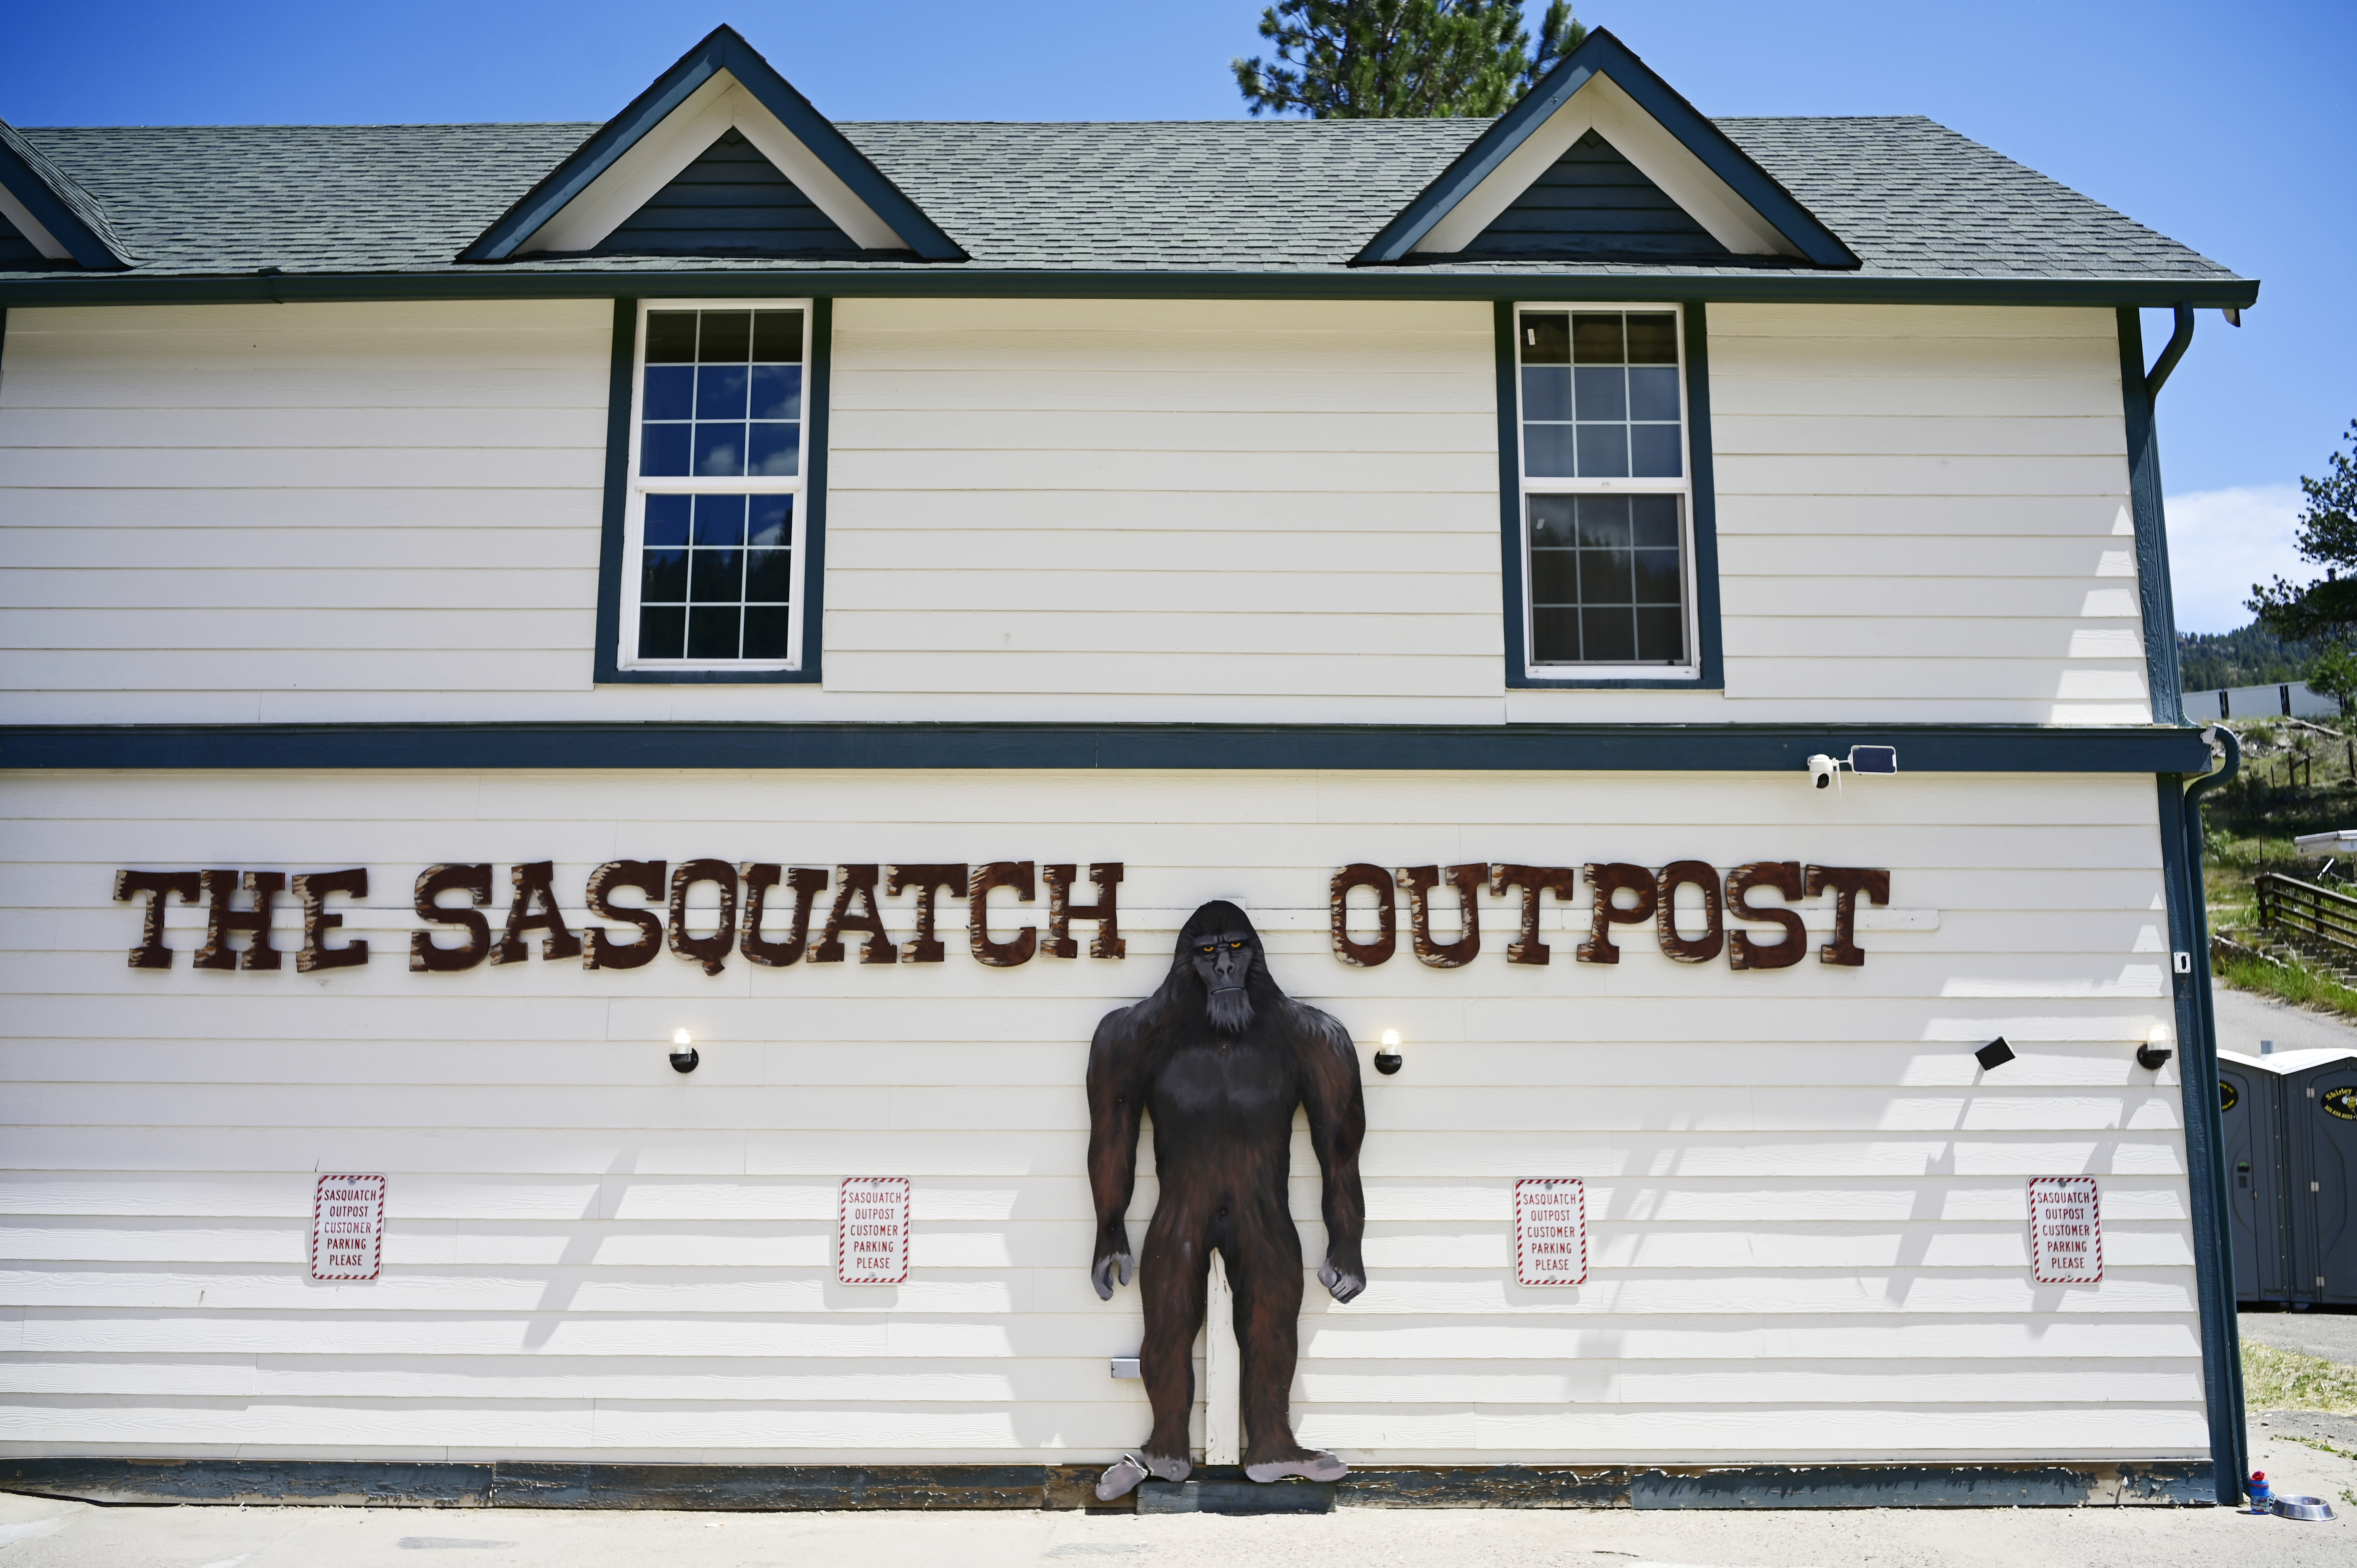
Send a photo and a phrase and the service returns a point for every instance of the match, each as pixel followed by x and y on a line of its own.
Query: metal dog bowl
pixel 2303 1508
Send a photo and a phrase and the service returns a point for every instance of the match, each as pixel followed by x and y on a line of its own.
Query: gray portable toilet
pixel 2259 1211
pixel 2290 1121
pixel 2320 1106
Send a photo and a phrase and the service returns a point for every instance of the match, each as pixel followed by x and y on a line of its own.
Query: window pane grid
pixel 720 398
pixel 1607 578
pixel 721 394
pixel 1601 401
pixel 1600 396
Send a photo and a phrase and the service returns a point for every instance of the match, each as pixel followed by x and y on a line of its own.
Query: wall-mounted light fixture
pixel 1387 1060
pixel 2152 1055
pixel 1994 1054
pixel 682 1051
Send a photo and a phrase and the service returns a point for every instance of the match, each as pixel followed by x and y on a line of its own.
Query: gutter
pixel 528 280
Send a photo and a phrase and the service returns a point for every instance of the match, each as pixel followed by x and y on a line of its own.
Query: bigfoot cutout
pixel 1220 1057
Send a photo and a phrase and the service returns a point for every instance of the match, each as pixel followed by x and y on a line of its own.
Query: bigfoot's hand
pixel 1343 1282
pixel 1112 1258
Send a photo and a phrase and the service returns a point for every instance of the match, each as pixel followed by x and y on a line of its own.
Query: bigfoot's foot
pixel 1309 1467
pixel 1122 1479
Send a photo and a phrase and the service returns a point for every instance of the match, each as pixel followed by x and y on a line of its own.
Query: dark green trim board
pixel 1711 668
pixel 2156 605
pixel 1705 498
pixel 2206 1133
pixel 613 545
pixel 530 280
pixel 1214 1488
pixel 1707 748
pixel 721 49
pixel 818 403
pixel 613 539
pixel 1602 54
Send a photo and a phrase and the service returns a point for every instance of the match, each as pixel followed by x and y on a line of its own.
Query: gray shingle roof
pixel 80 206
pixel 1912 198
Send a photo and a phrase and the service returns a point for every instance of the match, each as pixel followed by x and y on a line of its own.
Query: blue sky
pixel 2230 129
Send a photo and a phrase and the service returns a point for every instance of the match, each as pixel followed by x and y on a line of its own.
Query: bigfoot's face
pixel 1223 961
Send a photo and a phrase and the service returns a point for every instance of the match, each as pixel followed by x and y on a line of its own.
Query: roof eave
pixel 910 280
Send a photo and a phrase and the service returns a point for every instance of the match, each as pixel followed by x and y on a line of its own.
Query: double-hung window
pixel 1606 494
pixel 715 523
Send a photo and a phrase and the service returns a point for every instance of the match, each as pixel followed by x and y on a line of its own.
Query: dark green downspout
pixel 2205 1134
pixel 2189 919
pixel 2138 388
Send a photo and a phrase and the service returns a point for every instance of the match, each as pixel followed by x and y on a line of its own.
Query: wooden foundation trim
pixel 1213 1489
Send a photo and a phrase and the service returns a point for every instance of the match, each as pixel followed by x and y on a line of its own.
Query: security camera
pixel 1861 760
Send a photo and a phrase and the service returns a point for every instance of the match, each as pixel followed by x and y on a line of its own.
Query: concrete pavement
pixel 40 1533
pixel 2246 1018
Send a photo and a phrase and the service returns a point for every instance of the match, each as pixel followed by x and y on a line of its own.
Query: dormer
pixel 46 218
pixel 1603 161
pixel 720 157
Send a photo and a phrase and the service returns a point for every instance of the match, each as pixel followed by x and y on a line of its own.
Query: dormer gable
pixel 730 201
pixel 719 157
pixel 46 217
pixel 1603 160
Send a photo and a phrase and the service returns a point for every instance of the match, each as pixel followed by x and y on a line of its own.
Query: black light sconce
pixel 1994 1054
pixel 2152 1055
pixel 682 1051
pixel 1387 1060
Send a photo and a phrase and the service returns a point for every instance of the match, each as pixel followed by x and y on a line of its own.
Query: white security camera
pixel 1827 771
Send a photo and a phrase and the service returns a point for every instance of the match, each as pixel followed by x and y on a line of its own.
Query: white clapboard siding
pixel 1041 509
pixel 1987 441
pixel 1807 1205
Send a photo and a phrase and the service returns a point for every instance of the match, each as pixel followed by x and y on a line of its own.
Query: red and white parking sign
pixel 871 1230
pixel 347 1226
pixel 1551 1232
pixel 2066 1230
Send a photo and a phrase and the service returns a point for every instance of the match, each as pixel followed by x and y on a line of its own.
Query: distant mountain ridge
pixel 2210 661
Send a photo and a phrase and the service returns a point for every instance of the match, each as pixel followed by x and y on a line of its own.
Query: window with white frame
pixel 1608 547
pixel 715 527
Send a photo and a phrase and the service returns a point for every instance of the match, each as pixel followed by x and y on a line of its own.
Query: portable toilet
pixel 2259 1209
pixel 2320 1109
pixel 2291 1124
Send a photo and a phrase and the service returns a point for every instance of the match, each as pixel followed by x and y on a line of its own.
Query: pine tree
pixel 1392 60
pixel 2328 535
